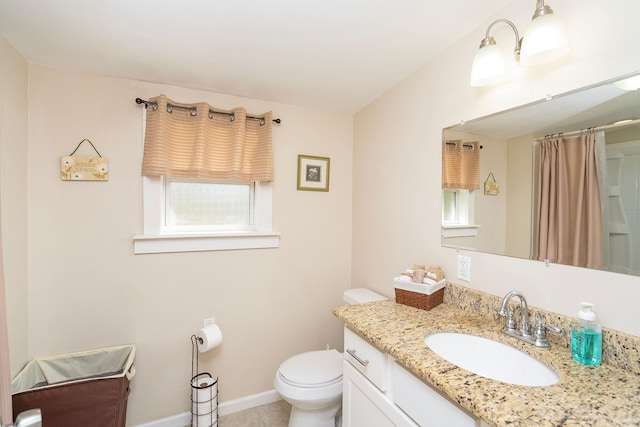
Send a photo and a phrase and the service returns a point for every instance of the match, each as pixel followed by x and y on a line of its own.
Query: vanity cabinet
pixel 364 405
pixel 379 392
pixel 366 381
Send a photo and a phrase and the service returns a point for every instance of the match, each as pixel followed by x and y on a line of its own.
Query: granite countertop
pixel 605 395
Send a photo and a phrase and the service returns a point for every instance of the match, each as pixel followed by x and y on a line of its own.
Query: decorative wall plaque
pixel 84 168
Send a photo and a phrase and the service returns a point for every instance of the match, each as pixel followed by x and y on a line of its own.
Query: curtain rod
pixel 597 128
pixel 192 109
pixel 464 144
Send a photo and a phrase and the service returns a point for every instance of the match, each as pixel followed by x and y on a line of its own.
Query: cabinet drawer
pixel 367 359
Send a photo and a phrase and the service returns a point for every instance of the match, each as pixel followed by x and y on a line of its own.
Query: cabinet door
pixel 365 406
pixel 425 405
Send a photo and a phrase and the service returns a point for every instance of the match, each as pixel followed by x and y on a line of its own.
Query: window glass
pixel 449 210
pixel 457 206
pixel 208 205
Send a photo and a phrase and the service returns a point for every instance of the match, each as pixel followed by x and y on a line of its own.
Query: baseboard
pixel 224 408
pixel 180 420
pixel 248 402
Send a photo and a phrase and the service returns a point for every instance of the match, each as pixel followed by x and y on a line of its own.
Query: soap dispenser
pixel 586 337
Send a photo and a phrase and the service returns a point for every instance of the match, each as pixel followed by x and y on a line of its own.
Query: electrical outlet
pixel 464 268
pixel 209 321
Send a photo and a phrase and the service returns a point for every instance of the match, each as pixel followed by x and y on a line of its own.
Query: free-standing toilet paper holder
pixel 204 392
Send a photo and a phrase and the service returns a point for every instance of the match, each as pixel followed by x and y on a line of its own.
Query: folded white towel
pixel 407 279
pixel 429 281
pixel 403 279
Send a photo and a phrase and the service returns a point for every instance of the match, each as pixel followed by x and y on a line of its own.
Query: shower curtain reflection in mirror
pixel 568 217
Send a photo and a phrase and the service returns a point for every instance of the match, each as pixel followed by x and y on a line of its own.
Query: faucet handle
pixel 540 334
pixel 510 323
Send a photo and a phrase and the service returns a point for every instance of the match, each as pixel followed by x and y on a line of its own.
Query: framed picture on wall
pixel 313 173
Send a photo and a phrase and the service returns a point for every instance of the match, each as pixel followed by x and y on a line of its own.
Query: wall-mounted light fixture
pixel 544 41
pixel 630 83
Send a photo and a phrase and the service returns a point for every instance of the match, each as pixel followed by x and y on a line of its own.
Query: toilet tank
pixel 361 295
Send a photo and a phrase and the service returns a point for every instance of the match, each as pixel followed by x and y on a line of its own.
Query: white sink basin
pixel 491 359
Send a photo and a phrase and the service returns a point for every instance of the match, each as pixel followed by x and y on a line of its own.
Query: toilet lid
pixel 312 369
pixel 361 295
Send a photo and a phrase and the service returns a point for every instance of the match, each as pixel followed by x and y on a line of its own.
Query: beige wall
pixel 13 192
pixel 519 188
pixel 397 167
pixel 88 290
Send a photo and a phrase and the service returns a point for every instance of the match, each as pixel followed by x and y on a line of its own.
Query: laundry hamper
pixel 88 388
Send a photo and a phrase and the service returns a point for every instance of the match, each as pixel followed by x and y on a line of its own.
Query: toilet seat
pixel 312 369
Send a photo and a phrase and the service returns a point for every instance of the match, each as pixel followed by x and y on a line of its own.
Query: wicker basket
pixel 419 300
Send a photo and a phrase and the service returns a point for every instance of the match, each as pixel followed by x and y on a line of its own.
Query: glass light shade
pixel 631 83
pixel 545 41
pixel 488 66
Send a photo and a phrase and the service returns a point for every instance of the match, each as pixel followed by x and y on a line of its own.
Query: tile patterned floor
pixel 271 415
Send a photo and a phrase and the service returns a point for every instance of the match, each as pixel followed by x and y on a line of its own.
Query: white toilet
pixel 312 382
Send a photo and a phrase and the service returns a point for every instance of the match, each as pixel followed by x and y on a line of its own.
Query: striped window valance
pixel 199 141
pixel 461 165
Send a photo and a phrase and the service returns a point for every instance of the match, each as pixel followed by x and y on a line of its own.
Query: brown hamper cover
pixel 100 401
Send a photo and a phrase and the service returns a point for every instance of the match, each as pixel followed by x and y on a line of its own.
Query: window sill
pixel 460 230
pixel 198 242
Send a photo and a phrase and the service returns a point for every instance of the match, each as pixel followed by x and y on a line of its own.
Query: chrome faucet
pixel 524 329
pixel 523 332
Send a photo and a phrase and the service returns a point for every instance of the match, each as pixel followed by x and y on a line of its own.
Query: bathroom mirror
pixel 502 223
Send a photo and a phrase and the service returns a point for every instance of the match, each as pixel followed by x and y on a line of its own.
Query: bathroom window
pixel 458 213
pixel 201 205
pixel 198 215
pixel 206 177
pixel 457 207
pixel 460 179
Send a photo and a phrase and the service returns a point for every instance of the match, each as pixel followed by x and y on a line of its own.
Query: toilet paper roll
pixel 208 338
pixel 204 402
pixel 205 421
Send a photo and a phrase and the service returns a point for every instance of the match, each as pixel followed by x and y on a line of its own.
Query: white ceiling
pixel 336 55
